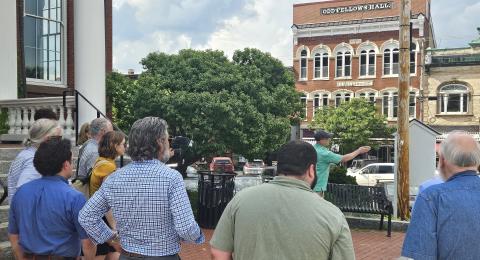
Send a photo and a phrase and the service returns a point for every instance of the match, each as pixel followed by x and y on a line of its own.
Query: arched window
pixel 390 61
pixel 341 97
pixel 454 98
pixel 319 101
pixel 303 100
pixel 390 104
pixel 367 63
pixel 303 65
pixel 369 96
pixel 344 64
pixel 320 65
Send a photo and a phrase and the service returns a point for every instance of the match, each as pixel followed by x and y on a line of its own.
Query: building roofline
pixel 357 21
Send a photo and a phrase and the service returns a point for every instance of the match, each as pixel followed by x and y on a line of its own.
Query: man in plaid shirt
pixel 149 200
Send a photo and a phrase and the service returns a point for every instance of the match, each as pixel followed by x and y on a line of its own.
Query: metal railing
pixel 77 94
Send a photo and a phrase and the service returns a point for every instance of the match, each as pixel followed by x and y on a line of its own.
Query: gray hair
pixel 461 149
pixel 143 138
pixel 42 129
pixel 97 125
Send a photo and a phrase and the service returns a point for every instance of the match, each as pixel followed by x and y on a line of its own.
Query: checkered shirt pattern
pixel 150 204
pixel 87 158
pixel 23 162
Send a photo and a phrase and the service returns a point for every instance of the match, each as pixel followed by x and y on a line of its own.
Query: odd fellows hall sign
pixel 357 8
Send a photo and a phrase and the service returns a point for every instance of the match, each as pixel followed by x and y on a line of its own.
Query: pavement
pixel 369 244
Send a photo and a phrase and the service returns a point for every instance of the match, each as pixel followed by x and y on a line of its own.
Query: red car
pixel 221 164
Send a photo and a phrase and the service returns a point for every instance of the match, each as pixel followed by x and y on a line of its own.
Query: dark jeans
pixel 172 257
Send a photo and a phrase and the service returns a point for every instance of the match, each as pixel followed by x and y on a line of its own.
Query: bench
pixel 361 199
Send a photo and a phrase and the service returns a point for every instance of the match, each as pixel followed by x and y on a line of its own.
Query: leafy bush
pixel 338 175
pixel 3 121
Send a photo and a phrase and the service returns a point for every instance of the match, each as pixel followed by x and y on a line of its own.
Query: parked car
pixel 374 174
pixel 360 163
pixel 254 167
pixel 222 164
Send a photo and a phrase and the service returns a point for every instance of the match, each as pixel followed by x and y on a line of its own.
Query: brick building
pixel 453 88
pixel 346 49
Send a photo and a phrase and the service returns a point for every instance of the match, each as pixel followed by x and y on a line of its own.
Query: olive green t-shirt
pixel 283 219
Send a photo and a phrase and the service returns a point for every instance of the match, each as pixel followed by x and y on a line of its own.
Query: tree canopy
pixel 240 105
pixel 353 123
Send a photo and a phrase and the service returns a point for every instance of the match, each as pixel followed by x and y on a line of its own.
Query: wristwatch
pixel 115 238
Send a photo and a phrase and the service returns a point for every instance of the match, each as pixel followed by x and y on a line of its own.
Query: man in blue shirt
pixel 445 222
pixel 148 200
pixel 43 217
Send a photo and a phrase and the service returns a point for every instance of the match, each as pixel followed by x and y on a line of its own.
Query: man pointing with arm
pixel 325 157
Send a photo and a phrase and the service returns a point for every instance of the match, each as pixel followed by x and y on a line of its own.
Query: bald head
pixel 461 150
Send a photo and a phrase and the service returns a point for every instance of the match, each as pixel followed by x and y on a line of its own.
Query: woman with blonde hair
pixel 22 169
pixel 110 147
pixel 84 134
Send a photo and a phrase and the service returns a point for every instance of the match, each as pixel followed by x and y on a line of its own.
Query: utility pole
pixel 403 112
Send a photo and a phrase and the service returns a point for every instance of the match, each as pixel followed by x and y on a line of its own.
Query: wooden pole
pixel 403 112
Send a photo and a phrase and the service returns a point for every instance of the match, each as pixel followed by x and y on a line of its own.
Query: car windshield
pixel 256 164
pixel 222 161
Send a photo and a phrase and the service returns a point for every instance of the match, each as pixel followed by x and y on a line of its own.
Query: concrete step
pixel 6 251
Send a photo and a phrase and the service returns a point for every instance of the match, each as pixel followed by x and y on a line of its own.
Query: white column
pixel 8 50
pixel 11 120
pixel 90 56
pixel 69 124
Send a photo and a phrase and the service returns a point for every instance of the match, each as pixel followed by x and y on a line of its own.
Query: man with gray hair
pixel 444 224
pixel 88 153
pixel 148 200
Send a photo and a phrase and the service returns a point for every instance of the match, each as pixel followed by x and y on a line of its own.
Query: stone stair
pixel 7 155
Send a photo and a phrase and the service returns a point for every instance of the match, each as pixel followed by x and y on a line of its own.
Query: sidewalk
pixel 369 244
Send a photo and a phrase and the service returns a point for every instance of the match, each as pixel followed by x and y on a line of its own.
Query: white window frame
pixel 343 55
pixel 321 56
pixel 305 97
pixel 63 54
pixel 391 52
pixel 415 52
pixel 367 65
pixel 321 96
pixel 391 94
pixel 443 99
pixel 303 69
pixel 343 95
pixel 367 94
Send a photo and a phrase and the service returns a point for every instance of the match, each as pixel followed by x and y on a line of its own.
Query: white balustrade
pixel 21 114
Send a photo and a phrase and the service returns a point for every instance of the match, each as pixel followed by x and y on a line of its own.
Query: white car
pixel 374 174
pixel 257 166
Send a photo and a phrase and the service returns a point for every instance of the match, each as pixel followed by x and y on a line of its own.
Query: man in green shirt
pixel 283 219
pixel 325 157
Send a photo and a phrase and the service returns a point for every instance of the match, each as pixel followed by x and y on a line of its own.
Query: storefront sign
pixel 363 83
pixel 357 8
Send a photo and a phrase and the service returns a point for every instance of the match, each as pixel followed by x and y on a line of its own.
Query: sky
pixel 144 26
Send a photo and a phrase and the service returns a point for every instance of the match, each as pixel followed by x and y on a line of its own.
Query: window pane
pixel 325 66
pixel 465 103
pixel 303 68
pixel 395 63
pixel 325 100
pixel 29 31
pixel 347 97
pixel 412 62
pixel 348 64
pixel 339 65
pixel 453 103
pixel 30 62
pixel 395 104
pixel 386 62
pixel 363 64
pixel 303 112
pixel 316 101
pixel 411 107
pixel 31 7
pixel 317 66
pixel 385 104
pixel 371 64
